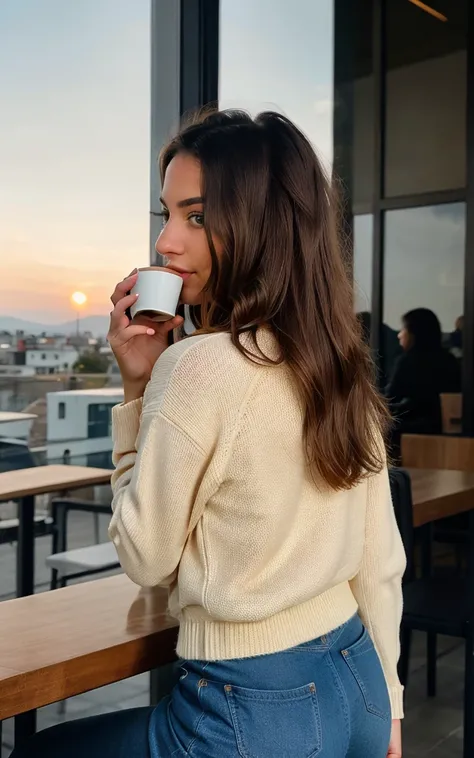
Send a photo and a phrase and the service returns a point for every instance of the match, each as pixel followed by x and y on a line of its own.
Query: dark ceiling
pixel 412 34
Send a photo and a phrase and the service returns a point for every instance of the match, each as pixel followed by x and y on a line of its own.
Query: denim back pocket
pixel 363 661
pixel 275 723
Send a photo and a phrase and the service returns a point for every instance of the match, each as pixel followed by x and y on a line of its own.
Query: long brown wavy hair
pixel 269 202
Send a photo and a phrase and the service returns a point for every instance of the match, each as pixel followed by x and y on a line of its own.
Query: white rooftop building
pixel 51 359
pixel 79 425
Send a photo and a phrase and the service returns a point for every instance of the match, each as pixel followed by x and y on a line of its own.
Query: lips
pixel 183 274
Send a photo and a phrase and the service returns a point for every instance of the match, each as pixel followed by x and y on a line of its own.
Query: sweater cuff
pixel 396 701
pixel 126 425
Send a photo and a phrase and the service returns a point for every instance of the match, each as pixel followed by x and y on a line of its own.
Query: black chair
pixel 15 455
pixel 60 510
pixel 435 605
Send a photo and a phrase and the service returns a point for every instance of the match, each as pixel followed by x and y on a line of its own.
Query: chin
pixel 189 297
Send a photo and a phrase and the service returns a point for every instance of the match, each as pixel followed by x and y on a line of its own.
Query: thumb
pixel 167 326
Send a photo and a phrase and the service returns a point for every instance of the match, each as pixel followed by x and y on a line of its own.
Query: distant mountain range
pixel 97 325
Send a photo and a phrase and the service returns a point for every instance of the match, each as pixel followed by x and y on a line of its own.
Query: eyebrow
pixel 186 203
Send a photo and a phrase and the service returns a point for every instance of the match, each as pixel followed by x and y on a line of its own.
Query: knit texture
pixel 212 498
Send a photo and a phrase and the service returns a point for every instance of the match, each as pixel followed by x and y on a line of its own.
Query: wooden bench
pixel 59 644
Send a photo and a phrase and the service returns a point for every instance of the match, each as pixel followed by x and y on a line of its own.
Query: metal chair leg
pixel 431 663
pixel 62 707
pixel 59 542
pixel 97 528
pixel 162 681
pixel 25 726
pixel 405 649
pixel 469 697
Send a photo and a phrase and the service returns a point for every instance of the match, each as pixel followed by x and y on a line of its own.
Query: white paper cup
pixel 159 290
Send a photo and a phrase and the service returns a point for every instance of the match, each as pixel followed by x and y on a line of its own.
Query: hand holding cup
pixel 137 344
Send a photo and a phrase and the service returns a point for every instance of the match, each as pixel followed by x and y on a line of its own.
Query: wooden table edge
pixel 432 510
pixel 89 671
pixel 46 489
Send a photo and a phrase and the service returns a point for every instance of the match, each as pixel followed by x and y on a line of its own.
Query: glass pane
pixel 424 269
pixel 426 97
pixel 276 55
pixel 363 233
pixel 74 202
pixel 363 137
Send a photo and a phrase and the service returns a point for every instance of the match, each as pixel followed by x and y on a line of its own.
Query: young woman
pixel 250 471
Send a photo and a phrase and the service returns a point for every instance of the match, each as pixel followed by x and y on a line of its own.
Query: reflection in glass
pixel 278 56
pixel 423 300
pixel 424 262
pixel 362 262
pixel 426 98
pixel 364 111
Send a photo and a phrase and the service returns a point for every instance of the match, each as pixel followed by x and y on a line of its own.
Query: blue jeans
pixel 323 699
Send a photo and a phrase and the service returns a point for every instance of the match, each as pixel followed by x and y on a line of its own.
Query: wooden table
pixel 24 485
pixel 437 494
pixel 55 645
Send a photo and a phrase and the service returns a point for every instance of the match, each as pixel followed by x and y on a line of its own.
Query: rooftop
pixel 103 392
pixel 6 417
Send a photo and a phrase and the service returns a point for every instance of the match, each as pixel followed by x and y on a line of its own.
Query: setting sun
pixel 79 298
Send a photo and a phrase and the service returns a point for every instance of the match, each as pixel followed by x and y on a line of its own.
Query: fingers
pixel 160 327
pixel 124 287
pixel 125 302
pixel 118 317
pixel 125 335
pixel 168 326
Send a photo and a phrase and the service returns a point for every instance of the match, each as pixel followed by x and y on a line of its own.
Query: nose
pixel 170 241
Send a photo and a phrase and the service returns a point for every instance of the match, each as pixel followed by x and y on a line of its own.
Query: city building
pixel 51 359
pixel 78 426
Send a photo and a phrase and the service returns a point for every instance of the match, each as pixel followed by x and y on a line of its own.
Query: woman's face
pixel 183 241
pixel 405 339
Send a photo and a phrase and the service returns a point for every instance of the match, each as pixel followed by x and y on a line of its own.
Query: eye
pixel 165 216
pixel 196 219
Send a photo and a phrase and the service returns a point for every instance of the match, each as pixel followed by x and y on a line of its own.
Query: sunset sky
pixel 74 131
pixel 74 151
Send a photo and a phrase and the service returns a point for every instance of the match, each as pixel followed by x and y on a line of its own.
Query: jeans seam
pixel 342 695
pixel 336 634
pixel 236 726
pixel 200 719
pixel 180 748
pixel 370 706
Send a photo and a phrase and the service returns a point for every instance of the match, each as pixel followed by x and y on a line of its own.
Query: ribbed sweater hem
pixel 202 638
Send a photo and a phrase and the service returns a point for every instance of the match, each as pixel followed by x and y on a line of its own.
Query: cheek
pixel 204 265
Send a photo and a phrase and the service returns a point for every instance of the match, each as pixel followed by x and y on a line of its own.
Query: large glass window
pixel 99 420
pixel 424 262
pixel 364 111
pixel 276 55
pixel 363 233
pixel 423 296
pixel 426 97
pixel 74 177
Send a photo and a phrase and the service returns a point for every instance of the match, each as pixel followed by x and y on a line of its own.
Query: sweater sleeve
pixel 158 472
pixel 377 586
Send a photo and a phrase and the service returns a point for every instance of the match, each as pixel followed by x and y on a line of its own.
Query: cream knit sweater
pixel 212 498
